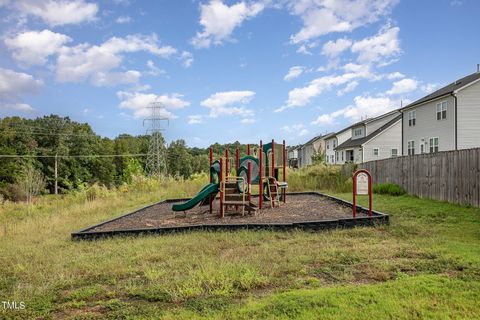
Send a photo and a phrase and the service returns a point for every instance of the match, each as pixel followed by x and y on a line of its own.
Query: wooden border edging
pixel 376 218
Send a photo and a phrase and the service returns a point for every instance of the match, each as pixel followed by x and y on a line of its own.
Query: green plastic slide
pixel 209 189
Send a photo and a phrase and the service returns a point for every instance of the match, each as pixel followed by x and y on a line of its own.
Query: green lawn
pixel 426 264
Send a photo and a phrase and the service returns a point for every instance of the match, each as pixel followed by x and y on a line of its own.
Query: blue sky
pixel 231 70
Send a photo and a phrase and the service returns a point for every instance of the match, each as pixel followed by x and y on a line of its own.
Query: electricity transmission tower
pixel 156 165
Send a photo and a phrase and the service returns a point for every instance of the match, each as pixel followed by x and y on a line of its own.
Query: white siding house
pixel 372 139
pixel 310 148
pixel 447 119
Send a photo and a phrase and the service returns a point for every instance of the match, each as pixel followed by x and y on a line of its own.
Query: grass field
pixel 426 264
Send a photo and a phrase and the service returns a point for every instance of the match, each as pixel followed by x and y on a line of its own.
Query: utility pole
pixel 56 173
pixel 156 165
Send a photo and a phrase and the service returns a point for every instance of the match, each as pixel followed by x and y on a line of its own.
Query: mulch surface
pixel 299 208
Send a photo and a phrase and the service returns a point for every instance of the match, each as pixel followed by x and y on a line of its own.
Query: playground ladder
pixel 231 195
pixel 273 190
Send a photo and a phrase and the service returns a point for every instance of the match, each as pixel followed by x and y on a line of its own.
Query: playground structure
pixel 262 168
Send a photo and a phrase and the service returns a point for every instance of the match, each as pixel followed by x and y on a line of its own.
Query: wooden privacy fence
pixel 452 176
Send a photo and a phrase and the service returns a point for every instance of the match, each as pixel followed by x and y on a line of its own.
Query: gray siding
pixel 387 140
pixel 427 126
pixel 329 152
pixel 360 127
pixel 468 113
pixel 374 125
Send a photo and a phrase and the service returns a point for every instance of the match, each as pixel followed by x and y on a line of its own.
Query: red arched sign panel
pixel 362 185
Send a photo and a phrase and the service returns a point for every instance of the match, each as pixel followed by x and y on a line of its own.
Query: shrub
pixel 388 188
pixel 13 193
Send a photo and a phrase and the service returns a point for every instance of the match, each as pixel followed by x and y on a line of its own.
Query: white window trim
pixel 378 152
pixel 430 145
pixel 440 104
pixel 396 152
pixel 410 143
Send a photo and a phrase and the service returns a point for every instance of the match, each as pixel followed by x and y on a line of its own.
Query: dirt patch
pixel 299 208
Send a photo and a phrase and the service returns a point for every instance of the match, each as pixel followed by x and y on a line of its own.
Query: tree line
pixel 39 140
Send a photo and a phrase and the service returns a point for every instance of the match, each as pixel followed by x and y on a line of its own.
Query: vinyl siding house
pixel 372 139
pixel 447 119
pixel 292 157
pixel 332 141
pixel 310 148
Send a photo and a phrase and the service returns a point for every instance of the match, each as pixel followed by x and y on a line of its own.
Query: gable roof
pixel 358 142
pixel 448 89
pixel 367 121
pixel 316 138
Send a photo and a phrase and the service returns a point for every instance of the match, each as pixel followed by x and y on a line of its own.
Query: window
pixel 394 152
pixel 328 145
pixel 342 155
pixel 336 155
pixel 331 157
pixel 411 147
pixel 375 152
pixel 433 145
pixel 334 144
pixel 442 110
pixel 357 132
pixel 412 116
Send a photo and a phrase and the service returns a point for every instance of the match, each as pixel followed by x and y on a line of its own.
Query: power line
pixel 73 156
pixel 91 135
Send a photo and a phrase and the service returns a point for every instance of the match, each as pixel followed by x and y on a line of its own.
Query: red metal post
pixel 273 171
pixel 237 161
pixel 354 208
pixel 210 200
pixel 369 194
pixel 226 163
pixel 249 181
pixel 273 158
pixel 221 189
pixel 260 182
pixel 284 171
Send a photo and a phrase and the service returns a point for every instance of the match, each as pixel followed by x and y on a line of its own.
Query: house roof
pixel 448 89
pixel 358 142
pixel 366 121
pixel 316 138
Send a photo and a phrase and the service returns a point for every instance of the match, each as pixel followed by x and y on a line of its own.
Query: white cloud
pixel 219 21
pixel 97 63
pixel 124 19
pixel 429 87
pixel 333 49
pixel 13 85
pixel 365 106
pixel 294 72
pixel 58 12
pixel 383 45
pixel 154 70
pixel 298 129
pixel 301 96
pixel 187 59
pixel 323 17
pixel 195 119
pixel 403 86
pixel 139 102
pixel 248 121
pixel 348 88
pixel 223 103
pixel 34 47
pixel 395 75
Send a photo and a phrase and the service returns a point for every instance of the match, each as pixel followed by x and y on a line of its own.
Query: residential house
pixel 447 119
pixel 311 148
pixel 292 156
pixel 332 141
pixel 372 139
